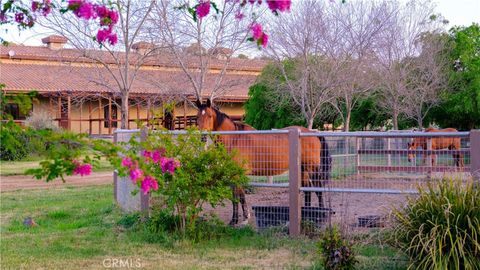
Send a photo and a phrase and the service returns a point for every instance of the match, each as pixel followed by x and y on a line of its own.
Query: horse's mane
pixel 221 116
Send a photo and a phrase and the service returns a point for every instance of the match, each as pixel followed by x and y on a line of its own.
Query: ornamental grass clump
pixel 440 228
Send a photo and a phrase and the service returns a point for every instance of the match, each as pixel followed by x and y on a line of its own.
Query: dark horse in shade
pixel 267 154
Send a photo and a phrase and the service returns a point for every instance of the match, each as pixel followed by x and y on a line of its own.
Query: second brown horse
pixel 267 154
pixel 450 143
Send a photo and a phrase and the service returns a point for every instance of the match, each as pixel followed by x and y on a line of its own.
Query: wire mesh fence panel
pixel 348 177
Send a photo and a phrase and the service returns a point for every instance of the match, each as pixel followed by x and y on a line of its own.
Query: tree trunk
pixel 310 123
pixel 124 111
pixel 420 122
pixel 346 126
pixel 395 118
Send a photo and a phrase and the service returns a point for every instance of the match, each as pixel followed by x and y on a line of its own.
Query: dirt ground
pixel 19 182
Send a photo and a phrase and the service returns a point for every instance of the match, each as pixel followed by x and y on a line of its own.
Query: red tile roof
pixel 68 70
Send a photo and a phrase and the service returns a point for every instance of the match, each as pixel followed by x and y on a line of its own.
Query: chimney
pixel 142 47
pixel 55 42
pixel 220 53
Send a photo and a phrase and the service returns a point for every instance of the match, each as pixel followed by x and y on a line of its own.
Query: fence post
pixel 389 157
pixel 294 176
pixel 357 155
pixel 475 155
pixel 144 199
pixel 429 159
pixel 115 175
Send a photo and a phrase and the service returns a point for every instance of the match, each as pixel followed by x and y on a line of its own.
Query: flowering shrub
pixel 187 172
pixel 25 15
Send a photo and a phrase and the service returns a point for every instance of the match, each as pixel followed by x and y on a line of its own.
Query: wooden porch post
pixel 185 114
pixel 59 117
pixel 69 110
pixel 148 111
pixel 138 115
pixel 90 117
pixel 109 115
pixel 81 111
pixel 100 115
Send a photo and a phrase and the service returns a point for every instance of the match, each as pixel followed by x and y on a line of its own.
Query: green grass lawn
pixel 19 167
pixel 78 228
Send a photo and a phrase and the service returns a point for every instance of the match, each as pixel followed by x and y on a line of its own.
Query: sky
pixel 457 12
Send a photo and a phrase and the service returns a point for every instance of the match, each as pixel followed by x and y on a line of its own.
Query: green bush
pixel 336 252
pixel 440 228
pixel 17 143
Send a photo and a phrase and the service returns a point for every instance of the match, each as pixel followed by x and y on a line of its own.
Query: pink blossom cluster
pixel 43 7
pixel 167 165
pixel 259 35
pixel 203 8
pixel 82 169
pixel 108 18
pixel 136 175
pixel 279 5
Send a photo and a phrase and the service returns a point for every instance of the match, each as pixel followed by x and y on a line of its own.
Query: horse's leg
pixel 306 183
pixel 234 220
pixel 320 199
pixel 243 201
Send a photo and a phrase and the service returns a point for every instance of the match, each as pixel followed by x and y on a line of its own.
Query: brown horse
pixel 451 143
pixel 267 154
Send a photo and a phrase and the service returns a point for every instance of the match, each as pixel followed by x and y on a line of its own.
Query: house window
pixel 107 123
pixel 12 110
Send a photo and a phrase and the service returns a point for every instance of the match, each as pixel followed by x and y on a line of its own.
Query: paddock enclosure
pixel 370 174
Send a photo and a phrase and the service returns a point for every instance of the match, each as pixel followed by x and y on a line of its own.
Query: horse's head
pixel 411 146
pixel 206 116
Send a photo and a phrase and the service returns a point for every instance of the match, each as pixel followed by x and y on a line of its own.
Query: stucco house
pixel 64 80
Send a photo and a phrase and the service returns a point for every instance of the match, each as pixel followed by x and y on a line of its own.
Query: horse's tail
pixel 325 159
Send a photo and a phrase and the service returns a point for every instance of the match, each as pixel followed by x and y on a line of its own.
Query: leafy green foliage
pixel 17 143
pixel 206 173
pixel 262 113
pixel 24 102
pixel 336 252
pixel 440 229
pixel 460 107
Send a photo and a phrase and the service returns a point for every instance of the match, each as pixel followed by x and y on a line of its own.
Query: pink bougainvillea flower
pixel 3 17
pixel 102 11
pixel 113 15
pixel 149 183
pixel 127 162
pixel 203 8
pixel 102 35
pixel 257 31
pixel 239 15
pixel 19 17
pixel 156 156
pixel 147 154
pixel 112 39
pixel 135 174
pixel 279 5
pixel 82 169
pixel 264 40
pixel 35 6
pixel 169 165
pixel 85 11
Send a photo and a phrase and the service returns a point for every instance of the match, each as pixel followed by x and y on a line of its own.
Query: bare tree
pixel 396 47
pixel 426 78
pixel 202 47
pixel 361 23
pixel 117 67
pixel 301 46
